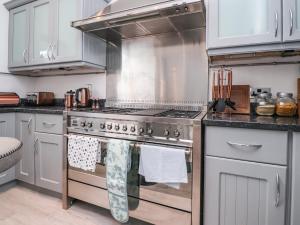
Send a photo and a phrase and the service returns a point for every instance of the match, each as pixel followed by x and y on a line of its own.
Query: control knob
pixel 166 132
pixel 124 128
pixel 176 133
pixel 82 124
pixel 117 127
pixel 150 131
pixel 90 125
pixel 141 130
pixel 102 125
pixel 132 129
pixel 109 126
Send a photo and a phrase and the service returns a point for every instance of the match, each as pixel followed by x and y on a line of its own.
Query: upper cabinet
pixel 41 38
pixel 235 26
pixel 237 23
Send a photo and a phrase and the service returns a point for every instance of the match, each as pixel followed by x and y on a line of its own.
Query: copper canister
pixel 69 99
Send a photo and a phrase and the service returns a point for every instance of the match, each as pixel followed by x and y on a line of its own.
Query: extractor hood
pixel 134 18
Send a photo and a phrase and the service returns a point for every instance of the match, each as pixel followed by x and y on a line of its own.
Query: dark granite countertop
pixel 58 110
pixel 253 122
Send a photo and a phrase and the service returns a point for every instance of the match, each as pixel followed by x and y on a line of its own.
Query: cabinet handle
pixel 24 56
pixel 36 146
pixel 291 22
pixel 53 47
pixel 48 51
pixel 244 147
pixel 277 198
pixel 29 124
pixel 276 23
pixel 49 124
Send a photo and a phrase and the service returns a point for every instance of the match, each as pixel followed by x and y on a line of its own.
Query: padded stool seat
pixel 10 153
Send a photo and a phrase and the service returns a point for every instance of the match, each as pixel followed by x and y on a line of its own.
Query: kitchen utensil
pixel 69 99
pixel 40 98
pixel 214 95
pixel 220 107
pixel 240 94
pixel 82 97
pixel 9 99
pixel 228 101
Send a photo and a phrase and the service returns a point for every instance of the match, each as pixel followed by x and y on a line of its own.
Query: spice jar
pixel 285 104
pixel 265 105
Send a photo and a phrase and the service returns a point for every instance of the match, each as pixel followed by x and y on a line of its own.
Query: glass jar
pixel 265 105
pixel 285 104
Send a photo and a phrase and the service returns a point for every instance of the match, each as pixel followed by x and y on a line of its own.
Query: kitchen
pixel 142 82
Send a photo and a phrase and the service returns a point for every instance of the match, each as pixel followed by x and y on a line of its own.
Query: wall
pixel 277 77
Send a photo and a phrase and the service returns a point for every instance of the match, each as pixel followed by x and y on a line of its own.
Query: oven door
pixel 138 188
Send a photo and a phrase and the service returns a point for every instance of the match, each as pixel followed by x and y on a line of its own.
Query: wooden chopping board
pixel 241 96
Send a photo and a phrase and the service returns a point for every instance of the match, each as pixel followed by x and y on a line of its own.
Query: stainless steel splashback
pixel 162 71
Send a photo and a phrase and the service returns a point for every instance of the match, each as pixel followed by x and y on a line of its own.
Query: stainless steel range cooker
pixel 150 202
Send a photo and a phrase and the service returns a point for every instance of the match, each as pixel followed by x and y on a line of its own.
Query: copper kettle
pixel 82 97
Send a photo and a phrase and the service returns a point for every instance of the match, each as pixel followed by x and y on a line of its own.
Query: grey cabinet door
pixel 295 208
pixel 48 158
pixel 41 35
pixel 7 129
pixel 18 52
pixel 25 125
pixel 238 192
pixel 239 23
pixel 291 20
pixel 67 42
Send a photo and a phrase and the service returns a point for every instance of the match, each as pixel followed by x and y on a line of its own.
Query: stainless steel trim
pixel 276 23
pixel 244 147
pixel 291 22
pixel 105 140
pixel 53 56
pixel 277 200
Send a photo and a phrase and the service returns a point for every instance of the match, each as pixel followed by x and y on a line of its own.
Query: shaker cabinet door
pixel 18 52
pixel 48 158
pixel 41 34
pixel 238 192
pixel 25 125
pixel 291 20
pixel 233 23
pixel 67 43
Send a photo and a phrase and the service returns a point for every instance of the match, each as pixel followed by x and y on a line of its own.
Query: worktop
pixel 57 110
pixel 253 122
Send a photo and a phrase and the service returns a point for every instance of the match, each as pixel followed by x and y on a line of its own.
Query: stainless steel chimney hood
pixel 134 18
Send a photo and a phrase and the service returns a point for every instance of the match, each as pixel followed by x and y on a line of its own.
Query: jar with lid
pixel 265 105
pixel 285 104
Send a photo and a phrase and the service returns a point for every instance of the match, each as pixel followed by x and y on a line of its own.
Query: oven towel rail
pixel 82 152
pixel 117 166
pixel 163 165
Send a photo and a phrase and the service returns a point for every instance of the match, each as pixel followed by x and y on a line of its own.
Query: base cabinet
pixel 241 192
pixel 7 129
pixel 48 161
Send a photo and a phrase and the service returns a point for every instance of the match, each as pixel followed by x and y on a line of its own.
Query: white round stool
pixel 10 153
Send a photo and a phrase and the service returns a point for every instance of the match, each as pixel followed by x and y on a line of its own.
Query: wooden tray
pixel 241 96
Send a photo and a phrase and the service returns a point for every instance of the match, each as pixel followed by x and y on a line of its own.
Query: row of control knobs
pixel 132 129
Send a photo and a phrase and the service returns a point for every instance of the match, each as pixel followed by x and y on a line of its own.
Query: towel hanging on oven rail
pixel 117 167
pixel 83 152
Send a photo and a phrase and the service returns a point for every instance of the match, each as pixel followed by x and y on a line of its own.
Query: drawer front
pixel 247 144
pixel 52 124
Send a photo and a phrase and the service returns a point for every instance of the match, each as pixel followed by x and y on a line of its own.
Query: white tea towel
pixel 163 165
pixel 82 152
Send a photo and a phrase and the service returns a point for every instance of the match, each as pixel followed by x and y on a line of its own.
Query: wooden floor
pixel 20 205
